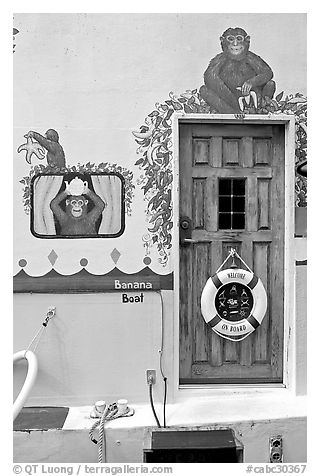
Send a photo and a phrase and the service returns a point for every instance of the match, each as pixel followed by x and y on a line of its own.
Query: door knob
pixel 185 230
pixel 184 224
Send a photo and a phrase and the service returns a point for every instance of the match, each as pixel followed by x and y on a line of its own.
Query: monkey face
pixel 76 206
pixel 235 42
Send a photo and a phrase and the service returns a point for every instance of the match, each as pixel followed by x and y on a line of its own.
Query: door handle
pixel 185 230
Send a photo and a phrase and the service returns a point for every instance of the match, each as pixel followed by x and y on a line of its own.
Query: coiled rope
pixel 110 413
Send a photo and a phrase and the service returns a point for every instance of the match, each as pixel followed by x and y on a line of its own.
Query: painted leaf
pixel 297 100
pixel 187 108
pixel 158 122
pixel 169 114
pixel 177 106
pixel 279 97
pixel 165 124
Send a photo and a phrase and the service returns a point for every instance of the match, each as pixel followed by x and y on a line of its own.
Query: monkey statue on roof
pixel 236 77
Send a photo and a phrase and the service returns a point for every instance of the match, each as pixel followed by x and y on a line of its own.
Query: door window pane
pixel 224 221
pixel 231 204
pixel 238 221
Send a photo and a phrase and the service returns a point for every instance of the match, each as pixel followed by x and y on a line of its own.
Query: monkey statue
pixel 76 220
pixel 50 142
pixel 236 75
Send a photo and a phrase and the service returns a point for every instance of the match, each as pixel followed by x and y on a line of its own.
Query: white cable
pixel 110 413
pixel 232 253
pixel 49 315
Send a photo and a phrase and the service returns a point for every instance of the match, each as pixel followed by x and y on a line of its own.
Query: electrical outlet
pixel 151 377
pixel 276 449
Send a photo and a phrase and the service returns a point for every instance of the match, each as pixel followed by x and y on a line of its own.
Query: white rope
pixel 225 261
pixel 231 254
pixel 244 262
pixel 37 337
pixel 109 413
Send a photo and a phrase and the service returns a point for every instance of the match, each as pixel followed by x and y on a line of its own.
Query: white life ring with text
pixel 233 303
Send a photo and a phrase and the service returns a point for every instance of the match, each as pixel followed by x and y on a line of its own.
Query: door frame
pixel 289 253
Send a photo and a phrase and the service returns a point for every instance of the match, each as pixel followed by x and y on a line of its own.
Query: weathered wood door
pixel 232 190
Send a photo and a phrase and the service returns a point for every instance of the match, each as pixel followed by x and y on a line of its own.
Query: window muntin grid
pixel 231 206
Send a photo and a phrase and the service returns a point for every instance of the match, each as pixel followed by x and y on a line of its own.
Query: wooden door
pixel 249 161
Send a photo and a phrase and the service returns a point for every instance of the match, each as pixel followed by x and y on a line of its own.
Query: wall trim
pixel 83 281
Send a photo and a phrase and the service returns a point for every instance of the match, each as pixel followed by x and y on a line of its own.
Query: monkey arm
pixel 263 71
pixel 47 144
pixel 55 206
pixel 98 205
pixel 214 82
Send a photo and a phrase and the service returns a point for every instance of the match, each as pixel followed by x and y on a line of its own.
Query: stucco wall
pixel 127 445
pixel 301 330
pixel 98 347
pixel 95 78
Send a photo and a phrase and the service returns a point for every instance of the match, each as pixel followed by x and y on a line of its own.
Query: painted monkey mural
pixel 74 218
pixel 236 78
pixel 37 144
pixel 77 204
pixel 55 152
pixel 96 211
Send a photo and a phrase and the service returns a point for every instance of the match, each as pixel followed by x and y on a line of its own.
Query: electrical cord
pixel 164 402
pixel 161 355
pixel 152 405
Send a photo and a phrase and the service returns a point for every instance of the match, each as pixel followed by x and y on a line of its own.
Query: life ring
pixel 234 303
pixel 29 381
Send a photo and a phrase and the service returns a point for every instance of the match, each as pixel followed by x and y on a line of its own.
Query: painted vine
pixel 155 155
pixel 82 169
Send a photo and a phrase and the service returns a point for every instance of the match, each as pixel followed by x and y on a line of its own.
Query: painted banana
pixel 142 135
pixel 247 99
pixel 151 151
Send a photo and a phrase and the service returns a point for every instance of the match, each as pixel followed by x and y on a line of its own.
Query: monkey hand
pixel 246 88
pixel 86 189
pixel 29 134
pixel 66 191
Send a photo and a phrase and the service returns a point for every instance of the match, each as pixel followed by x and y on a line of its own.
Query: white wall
pixel 96 347
pixel 100 348
pixel 126 445
pixel 95 78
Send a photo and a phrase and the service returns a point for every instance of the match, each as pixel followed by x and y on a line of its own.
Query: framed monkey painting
pixel 75 205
